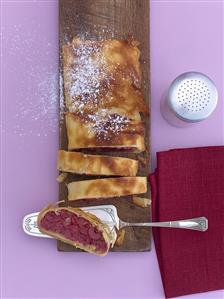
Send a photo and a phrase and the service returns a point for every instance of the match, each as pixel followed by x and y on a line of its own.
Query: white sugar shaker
pixel 191 98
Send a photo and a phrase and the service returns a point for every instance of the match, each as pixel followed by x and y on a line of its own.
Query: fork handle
pixel 199 224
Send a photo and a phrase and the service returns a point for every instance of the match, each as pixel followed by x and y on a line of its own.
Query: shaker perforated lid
pixel 192 96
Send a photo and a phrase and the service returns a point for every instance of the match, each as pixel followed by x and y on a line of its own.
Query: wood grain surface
pixel 103 19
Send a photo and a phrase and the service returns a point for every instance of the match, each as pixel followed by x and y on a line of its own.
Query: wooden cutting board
pixel 103 19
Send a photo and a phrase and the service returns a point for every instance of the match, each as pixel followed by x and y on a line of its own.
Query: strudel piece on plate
pixel 102 130
pixel 103 74
pixel 77 228
pixel 106 188
pixel 80 163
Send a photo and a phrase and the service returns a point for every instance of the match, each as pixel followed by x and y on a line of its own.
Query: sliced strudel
pixel 102 130
pixel 106 188
pixel 75 227
pixel 80 163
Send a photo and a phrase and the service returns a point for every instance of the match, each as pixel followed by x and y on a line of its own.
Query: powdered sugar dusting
pixel 105 125
pixel 89 85
pixel 88 80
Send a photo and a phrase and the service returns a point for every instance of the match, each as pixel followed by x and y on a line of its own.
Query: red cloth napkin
pixel 189 183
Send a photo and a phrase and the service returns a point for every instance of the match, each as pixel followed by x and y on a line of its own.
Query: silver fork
pixel 199 224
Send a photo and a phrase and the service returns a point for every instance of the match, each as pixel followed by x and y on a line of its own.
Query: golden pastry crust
pixel 103 75
pixel 96 222
pixel 77 162
pixel 97 131
pixel 106 188
pixel 102 81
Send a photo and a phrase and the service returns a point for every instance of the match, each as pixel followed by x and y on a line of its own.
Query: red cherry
pixel 81 221
pixel 68 234
pixel 50 216
pixel 83 230
pixel 58 228
pixel 64 214
pixel 45 224
pixel 101 246
pixel 94 234
pixel 67 221
pixel 74 219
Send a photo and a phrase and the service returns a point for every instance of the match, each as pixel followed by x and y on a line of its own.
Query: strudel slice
pixel 106 188
pixel 75 227
pixel 102 130
pixel 80 163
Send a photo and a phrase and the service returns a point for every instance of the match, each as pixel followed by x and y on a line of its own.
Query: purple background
pixel 185 35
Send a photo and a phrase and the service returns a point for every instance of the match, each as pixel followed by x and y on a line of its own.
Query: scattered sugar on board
pixel 36 101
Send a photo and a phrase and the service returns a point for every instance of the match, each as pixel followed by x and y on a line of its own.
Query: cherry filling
pixel 108 149
pixel 74 228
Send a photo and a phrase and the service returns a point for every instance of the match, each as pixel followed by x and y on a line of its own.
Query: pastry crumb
pixel 62 177
pixel 120 237
pixel 141 202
